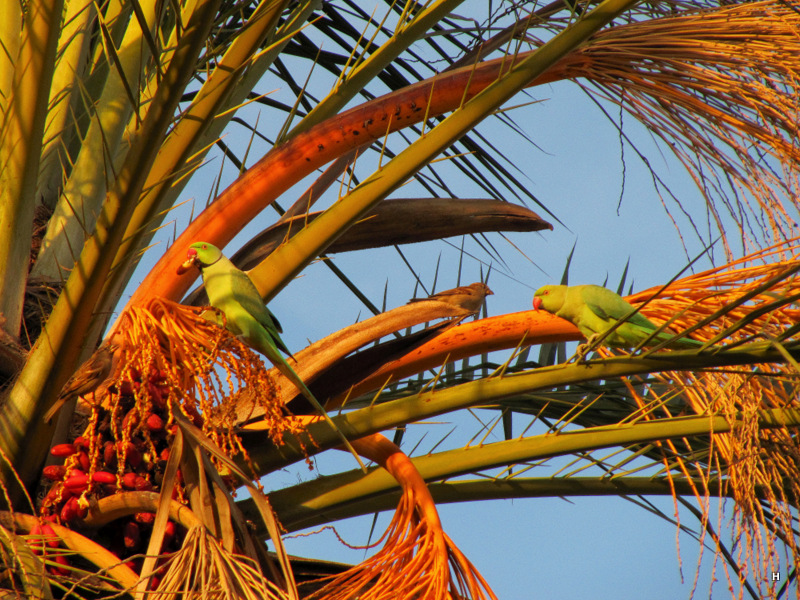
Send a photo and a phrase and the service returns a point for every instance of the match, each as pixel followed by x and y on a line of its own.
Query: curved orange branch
pixel 417 560
pixel 125 504
pixel 284 165
pixel 379 449
pixel 468 339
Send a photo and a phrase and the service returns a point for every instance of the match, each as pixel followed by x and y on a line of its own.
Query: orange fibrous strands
pixel 691 299
pixel 206 368
pixel 738 68
pixel 749 458
pixel 417 559
pixel 770 277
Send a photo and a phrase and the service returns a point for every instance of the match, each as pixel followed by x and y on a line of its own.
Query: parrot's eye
pixel 205 247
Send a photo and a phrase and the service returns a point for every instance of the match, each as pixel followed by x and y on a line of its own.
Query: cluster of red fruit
pixel 102 465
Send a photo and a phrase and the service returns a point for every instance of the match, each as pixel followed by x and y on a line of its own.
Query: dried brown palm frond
pixel 202 567
pixel 719 87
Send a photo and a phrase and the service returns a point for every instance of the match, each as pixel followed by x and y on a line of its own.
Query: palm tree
pixel 110 109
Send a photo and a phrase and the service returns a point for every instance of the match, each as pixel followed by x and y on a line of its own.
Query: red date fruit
pixel 169 532
pixel 132 456
pixel 110 455
pixel 54 472
pixel 69 512
pixel 62 450
pixel 104 477
pixel 154 422
pixel 63 569
pixel 142 485
pixel 83 461
pixel 131 536
pixel 51 539
pixel 145 518
pixel 76 483
pixel 129 481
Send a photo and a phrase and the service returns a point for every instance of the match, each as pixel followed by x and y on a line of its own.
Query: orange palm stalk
pixel 417 560
pixel 468 339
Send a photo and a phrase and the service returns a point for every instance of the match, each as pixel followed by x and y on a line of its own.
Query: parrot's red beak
pixel 537 302
pixel 189 263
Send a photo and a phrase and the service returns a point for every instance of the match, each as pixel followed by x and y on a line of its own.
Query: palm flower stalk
pixel 417 559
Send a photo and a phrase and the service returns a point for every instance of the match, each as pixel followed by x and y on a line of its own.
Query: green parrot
pixel 234 293
pixel 594 310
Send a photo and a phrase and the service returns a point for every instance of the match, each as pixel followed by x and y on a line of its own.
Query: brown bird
pixel 89 376
pixel 469 297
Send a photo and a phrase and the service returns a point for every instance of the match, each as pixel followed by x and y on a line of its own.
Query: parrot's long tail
pixel 290 374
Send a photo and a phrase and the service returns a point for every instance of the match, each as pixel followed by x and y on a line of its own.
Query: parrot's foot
pixel 580 354
pixel 583 350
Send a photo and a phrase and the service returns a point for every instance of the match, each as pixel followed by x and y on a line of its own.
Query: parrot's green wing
pixel 611 307
pixel 635 329
pixel 595 310
pixel 246 294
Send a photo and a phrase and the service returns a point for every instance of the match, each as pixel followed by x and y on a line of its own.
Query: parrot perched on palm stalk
pixel 594 310
pixel 234 293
